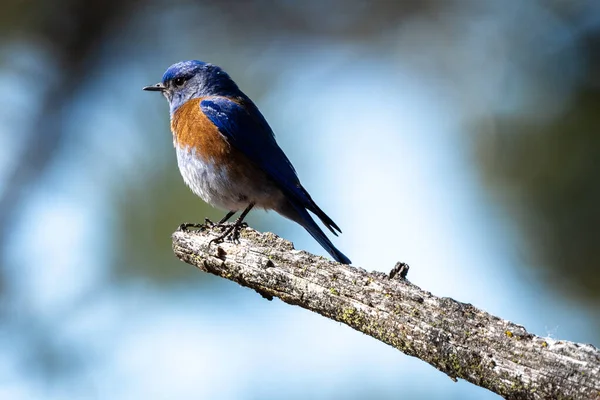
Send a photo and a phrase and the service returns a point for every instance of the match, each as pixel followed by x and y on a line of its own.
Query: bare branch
pixel 456 338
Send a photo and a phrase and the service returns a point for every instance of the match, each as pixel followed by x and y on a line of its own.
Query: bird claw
pixel 185 227
pixel 218 225
pixel 232 233
pixel 235 235
pixel 208 223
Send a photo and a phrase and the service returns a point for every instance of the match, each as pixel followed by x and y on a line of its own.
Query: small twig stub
pixel 400 269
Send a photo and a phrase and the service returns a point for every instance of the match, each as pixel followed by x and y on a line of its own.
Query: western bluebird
pixel 227 153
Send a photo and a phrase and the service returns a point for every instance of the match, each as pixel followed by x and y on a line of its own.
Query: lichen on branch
pixel 456 338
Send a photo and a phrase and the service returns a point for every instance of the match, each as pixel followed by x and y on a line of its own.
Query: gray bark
pixel 456 338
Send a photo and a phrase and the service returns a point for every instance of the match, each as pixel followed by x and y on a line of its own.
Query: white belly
pixel 211 183
pixel 219 188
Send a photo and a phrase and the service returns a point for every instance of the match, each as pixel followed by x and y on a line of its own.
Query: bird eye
pixel 178 82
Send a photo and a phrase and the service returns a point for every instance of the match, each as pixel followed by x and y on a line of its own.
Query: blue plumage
pixel 182 70
pixel 246 129
pixel 264 176
pixel 249 133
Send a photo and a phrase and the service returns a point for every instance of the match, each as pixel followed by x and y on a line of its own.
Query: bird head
pixel 187 80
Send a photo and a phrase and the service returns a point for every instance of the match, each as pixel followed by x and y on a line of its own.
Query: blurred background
pixel 461 137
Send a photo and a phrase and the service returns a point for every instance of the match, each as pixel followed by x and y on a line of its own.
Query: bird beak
pixel 159 87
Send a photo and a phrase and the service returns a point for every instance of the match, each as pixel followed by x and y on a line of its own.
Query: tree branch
pixel 456 338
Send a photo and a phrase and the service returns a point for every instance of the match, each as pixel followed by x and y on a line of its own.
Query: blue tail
pixel 299 214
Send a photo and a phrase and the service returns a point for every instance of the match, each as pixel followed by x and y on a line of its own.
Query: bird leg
pixel 232 230
pixel 226 217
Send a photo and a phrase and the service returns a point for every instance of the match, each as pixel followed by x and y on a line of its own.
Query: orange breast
pixel 194 131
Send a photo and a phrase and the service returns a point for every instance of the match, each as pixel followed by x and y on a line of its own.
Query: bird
pixel 227 153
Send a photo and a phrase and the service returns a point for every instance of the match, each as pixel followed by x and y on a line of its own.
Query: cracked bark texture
pixel 456 338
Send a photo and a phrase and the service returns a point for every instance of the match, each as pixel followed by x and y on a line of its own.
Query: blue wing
pixel 247 130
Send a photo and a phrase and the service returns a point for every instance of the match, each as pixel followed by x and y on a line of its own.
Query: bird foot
pixel 187 225
pixel 208 224
pixel 218 225
pixel 231 232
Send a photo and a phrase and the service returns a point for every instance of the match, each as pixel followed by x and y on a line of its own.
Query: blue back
pixel 248 131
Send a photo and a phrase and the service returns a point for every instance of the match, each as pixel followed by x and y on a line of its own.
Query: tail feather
pixel 298 213
pixel 313 207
